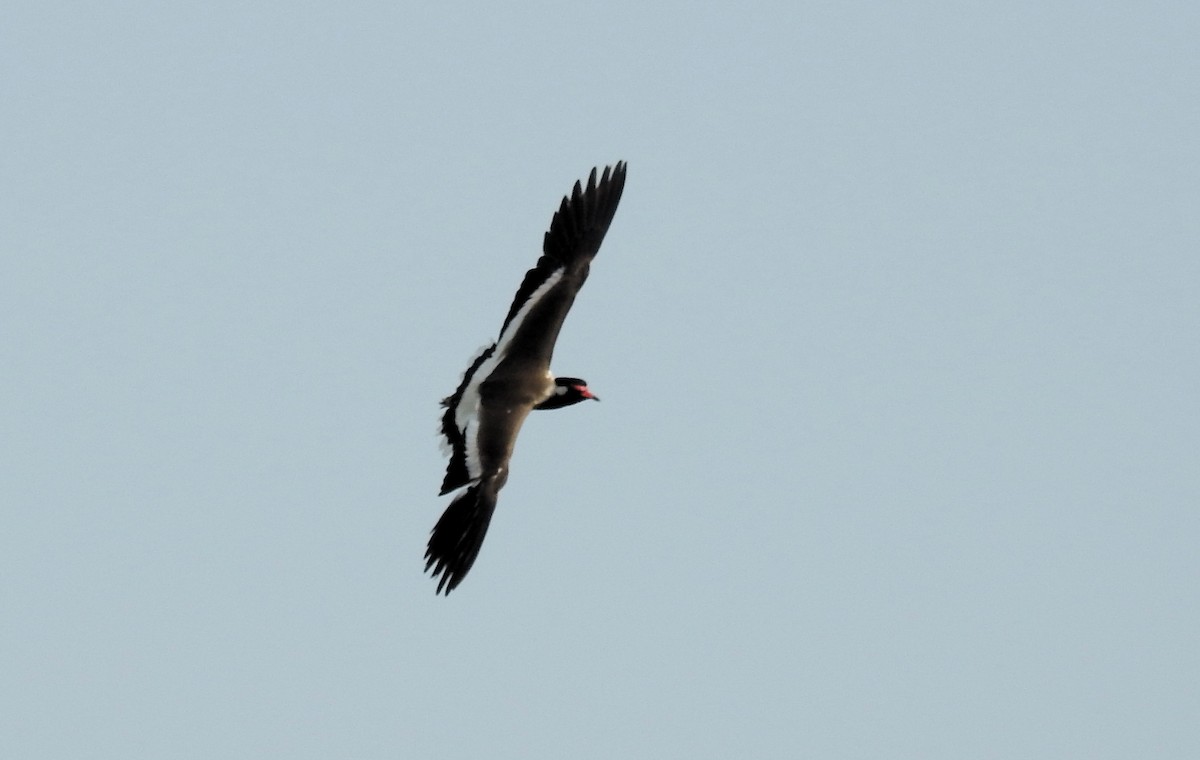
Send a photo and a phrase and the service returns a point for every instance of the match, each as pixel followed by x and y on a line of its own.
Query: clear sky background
pixel 897 332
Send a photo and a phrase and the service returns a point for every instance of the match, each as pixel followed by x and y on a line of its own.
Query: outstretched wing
pixel 578 228
pixel 531 327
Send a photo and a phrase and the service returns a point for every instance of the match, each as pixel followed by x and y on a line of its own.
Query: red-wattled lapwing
pixel 512 376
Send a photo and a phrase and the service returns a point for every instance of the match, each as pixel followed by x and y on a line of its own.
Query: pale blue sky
pixel 897 332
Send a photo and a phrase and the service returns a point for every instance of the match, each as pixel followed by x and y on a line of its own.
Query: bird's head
pixel 567 391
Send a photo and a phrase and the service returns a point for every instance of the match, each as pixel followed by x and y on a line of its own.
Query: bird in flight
pixel 512 377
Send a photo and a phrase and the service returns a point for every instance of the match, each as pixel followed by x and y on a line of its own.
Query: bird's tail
pixel 455 540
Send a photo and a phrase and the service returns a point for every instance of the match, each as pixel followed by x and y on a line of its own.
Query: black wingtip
pixel 584 215
pixel 456 539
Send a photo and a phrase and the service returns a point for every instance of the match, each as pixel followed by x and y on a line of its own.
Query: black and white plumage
pixel 511 377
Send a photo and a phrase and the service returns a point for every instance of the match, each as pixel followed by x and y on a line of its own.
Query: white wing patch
pixel 468 405
pixel 466 413
pixel 507 336
pixel 471 435
pixel 444 444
